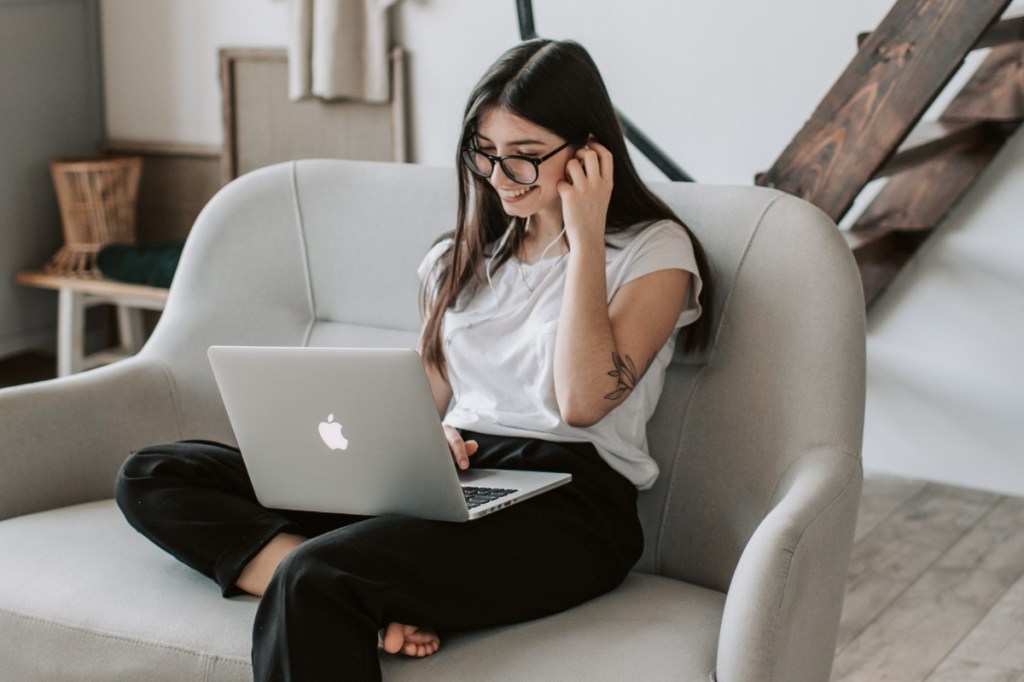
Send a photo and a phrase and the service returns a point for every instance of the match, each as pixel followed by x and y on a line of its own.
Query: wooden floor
pixel 936 586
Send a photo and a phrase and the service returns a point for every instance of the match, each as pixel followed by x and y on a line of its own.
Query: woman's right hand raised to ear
pixel 462 450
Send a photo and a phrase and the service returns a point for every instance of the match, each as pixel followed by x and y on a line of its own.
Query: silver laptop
pixel 354 431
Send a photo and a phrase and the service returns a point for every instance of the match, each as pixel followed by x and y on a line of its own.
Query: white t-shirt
pixel 500 346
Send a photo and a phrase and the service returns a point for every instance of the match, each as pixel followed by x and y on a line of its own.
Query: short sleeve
pixel 664 245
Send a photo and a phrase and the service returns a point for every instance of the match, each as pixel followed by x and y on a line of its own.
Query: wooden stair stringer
pixel 897 73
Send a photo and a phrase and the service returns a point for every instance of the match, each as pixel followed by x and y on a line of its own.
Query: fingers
pixel 591 162
pixel 574 171
pixel 594 156
pixel 586 192
pixel 462 450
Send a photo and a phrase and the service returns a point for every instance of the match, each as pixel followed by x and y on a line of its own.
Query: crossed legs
pixel 395 638
pixel 326 598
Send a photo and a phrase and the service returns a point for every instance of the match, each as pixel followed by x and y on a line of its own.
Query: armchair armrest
pixel 783 607
pixel 62 441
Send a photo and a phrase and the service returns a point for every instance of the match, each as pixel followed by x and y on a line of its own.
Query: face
pixel 501 133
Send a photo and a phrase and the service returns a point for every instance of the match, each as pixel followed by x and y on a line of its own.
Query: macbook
pixel 354 431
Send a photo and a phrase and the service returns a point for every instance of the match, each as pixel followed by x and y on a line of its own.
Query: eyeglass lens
pixel 518 170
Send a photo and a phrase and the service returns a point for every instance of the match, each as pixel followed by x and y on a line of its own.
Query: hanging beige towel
pixel 338 49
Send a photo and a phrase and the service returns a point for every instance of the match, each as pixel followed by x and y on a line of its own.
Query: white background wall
pixel 722 87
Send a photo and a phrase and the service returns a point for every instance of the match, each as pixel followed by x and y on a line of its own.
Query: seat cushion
pixel 649 628
pixel 85 597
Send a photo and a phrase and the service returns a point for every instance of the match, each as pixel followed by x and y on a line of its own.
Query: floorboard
pixel 882 496
pixel 936 587
pixel 886 561
pixel 999 637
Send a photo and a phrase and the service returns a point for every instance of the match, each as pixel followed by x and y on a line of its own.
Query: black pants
pixel 320 615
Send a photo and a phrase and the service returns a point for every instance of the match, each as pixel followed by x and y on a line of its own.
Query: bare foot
pixel 410 640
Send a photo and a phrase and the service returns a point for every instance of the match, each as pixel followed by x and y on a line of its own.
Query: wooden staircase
pixel 869 126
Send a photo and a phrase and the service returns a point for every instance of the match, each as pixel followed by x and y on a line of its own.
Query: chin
pixel 517 212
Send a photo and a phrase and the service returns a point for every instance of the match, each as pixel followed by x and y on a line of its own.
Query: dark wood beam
pixel 882 94
pixel 1006 31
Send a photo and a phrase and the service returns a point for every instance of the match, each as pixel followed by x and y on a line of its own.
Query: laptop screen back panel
pixel 339 430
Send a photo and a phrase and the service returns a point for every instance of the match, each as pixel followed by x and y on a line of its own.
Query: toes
pixel 410 640
pixel 394 638
pixel 420 650
pixel 426 640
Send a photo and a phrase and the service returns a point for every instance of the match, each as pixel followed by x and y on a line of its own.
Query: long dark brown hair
pixel 555 85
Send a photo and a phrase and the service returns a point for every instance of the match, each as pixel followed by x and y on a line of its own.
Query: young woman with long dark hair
pixel 551 313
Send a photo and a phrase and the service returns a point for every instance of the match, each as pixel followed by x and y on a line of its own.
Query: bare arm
pixel 603 349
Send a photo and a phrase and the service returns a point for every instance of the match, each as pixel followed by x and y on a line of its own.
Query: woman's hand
pixel 586 194
pixel 462 450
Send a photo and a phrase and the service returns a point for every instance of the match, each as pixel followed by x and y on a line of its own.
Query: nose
pixel 499 176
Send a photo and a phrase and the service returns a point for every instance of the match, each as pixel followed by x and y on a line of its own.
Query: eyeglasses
pixel 519 169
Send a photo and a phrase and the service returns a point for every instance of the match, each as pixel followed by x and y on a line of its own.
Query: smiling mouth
pixel 512 195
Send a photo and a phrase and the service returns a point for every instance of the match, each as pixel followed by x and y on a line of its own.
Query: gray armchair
pixel 748 528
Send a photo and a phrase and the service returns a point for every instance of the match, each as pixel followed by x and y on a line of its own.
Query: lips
pixel 512 196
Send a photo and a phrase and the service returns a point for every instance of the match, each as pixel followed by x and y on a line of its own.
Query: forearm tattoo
pixel 625 372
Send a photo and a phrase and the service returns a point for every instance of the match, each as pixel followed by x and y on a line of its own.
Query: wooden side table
pixel 75 295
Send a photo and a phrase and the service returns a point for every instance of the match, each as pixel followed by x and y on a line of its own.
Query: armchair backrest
pixel 289 254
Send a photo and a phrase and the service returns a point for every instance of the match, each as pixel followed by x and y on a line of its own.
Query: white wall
pixel 722 87
pixel 161 65
pixel 50 108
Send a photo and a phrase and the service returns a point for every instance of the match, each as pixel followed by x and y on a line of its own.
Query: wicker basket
pixel 97 207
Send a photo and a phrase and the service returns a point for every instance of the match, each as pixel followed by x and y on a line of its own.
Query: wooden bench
pixel 75 295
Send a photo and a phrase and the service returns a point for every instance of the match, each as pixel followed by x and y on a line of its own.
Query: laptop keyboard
pixel 478 496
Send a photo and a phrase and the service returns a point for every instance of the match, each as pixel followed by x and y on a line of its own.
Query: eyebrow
pixel 513 142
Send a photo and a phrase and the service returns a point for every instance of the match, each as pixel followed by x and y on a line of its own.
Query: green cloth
pixel 151 263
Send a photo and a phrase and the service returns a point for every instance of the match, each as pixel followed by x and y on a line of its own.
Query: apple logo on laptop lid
pixel 330 433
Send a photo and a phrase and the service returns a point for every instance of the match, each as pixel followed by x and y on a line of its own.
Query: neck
pixel 542 240
pixel 545 222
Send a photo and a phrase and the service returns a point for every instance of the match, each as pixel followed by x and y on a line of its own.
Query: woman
pixel 550 319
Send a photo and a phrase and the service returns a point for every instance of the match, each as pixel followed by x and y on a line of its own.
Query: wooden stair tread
pixel 1009 30
pixel 919 198
pixel 930 139
pixel 995 91
pixel 860 241
pixel 869 243
pixel 879 255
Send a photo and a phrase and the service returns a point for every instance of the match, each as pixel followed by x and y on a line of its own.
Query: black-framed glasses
pixel 519 169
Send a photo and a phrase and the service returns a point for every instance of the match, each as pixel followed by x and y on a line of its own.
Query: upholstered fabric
pixel 748 528
pixel 101 595
pixel 89 599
